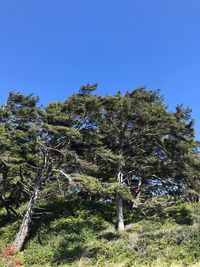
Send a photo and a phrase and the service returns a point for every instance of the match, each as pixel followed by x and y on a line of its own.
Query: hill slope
pixel 80 233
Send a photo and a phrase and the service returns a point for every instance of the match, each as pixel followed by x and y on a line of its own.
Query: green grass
pixel 77 233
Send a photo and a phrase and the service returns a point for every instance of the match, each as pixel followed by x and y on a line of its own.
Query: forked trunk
pixel 26 222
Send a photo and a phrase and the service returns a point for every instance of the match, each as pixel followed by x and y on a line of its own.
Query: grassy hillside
pixel 81 233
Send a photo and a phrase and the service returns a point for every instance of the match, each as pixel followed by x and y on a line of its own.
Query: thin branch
pixel 71 182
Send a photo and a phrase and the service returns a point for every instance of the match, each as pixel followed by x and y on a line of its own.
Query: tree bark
pixel 26 222
pixel 120 215
pixel 119 204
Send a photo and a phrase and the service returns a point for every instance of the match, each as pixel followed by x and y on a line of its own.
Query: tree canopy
pixel 122 149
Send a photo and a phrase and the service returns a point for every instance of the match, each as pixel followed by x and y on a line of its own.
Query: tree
pixel 144 144
pixel 122 147
pixel 47 145
pixel 22 120
pixel 49 149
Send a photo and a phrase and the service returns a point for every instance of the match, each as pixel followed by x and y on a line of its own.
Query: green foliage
pixel 67 163
pixel 88 183
pixel 8 229
pixel 70 132
pixel 84 236
pixel 115 187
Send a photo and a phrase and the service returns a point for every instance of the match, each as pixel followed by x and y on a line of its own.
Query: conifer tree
pixel 144 144
pixel 123 147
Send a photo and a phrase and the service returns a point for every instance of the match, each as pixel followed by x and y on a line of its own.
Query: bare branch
pixel 71 182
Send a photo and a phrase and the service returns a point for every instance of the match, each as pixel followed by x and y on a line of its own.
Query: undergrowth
pixel 82 233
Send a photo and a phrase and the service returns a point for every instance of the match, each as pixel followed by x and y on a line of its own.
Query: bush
pixel 82 236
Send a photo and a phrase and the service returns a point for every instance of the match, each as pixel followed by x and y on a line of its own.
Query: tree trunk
pixel 120 215
pixel 26 222
pixel 119 204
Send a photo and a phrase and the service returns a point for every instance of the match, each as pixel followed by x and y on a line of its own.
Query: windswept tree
pixel 19 118
pixel 47 145
pixel 122 147
pixel 143 145
pixel 22 121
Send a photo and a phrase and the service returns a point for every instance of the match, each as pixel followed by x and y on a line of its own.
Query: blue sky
pixel 52 47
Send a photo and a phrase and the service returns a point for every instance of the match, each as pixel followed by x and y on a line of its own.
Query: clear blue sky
pixel 52 47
